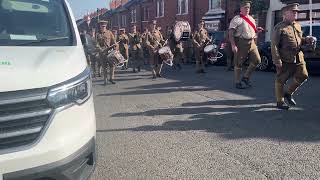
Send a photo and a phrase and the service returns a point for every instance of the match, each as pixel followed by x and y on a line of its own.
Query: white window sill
pixel 182 14
pixel 160 17
pixel 145 21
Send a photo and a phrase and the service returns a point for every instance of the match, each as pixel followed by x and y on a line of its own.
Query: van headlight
pixel 75 91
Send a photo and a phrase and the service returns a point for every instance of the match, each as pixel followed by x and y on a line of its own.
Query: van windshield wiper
pixel 43 40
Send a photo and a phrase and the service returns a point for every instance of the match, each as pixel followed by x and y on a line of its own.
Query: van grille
pixel 23 116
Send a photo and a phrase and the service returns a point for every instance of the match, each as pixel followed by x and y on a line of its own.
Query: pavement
pixel 198 126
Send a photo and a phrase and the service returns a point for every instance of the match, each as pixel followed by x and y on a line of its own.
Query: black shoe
pixel 290 99
pixel 159 75
pixel 240 86
pixel 112 82
pixel 139 69
pixel 122 68
pixel 283 106
pixel 246 81
pixel 154 77
pixel 179 66
pixel 174 67
pixel 230 69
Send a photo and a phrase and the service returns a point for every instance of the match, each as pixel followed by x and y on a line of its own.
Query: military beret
pixel 245 3
pixel 291 7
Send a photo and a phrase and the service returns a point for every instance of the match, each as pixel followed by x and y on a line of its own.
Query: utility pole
pixel 310 16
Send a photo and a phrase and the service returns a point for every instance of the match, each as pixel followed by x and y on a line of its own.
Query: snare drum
pixel 166 55
pixel 115 58
pixel 212 52
pixel 182 30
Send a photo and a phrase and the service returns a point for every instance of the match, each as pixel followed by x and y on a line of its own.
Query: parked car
pixel 266 57
pixel 312 58
pixel 219 40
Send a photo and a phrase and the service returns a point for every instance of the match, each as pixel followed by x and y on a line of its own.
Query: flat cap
pixel 291 7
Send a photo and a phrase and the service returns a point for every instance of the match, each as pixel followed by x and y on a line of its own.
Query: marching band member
pixel 136 52
pixel 106 40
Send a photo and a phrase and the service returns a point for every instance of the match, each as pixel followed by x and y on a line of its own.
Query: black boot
pixel 134 70
pixel 202 71
pixel 154 76
pixel 290 99
pixel 240 86
pixel 139 69
pixel 246 81
pixel 283 106
pixel 179 66
pixel 112 81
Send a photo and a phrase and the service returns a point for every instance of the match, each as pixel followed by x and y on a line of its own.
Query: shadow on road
pixel 236 122
pixel 254 117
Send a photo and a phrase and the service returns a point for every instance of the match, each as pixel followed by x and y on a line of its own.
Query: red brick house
pixel 216 13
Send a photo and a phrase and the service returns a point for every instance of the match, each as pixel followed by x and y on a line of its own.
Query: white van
pixel 47 118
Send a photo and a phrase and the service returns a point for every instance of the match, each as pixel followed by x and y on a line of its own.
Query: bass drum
pixel 182 30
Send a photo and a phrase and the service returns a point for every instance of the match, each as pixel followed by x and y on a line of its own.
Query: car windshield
pixel 217 35
pixel 34 23
pixel 315 31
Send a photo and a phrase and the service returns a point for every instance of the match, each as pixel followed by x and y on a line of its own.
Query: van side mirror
pixel 84 40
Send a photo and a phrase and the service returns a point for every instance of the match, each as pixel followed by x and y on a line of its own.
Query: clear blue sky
pixel 81 7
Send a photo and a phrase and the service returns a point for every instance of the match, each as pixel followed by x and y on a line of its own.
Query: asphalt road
pixel 190 126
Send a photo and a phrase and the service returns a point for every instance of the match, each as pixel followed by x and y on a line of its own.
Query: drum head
pixel 209 48
pixel 164 50
pixel 182 29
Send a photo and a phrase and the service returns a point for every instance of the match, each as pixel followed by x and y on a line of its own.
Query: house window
pixel 160 8
pixel 214 4
pixel 123 21
pixel 133 15
pixel 183 6
pixel 146 14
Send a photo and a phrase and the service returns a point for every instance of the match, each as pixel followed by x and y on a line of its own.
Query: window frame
pixel 160 8
pixel 186 7
pixel 133 15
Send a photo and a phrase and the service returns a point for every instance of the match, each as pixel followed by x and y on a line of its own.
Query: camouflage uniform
pixel 136 52
pixel 105 41
pixel 155 42
pixel 177 50
pixel 123 40
pixel 200 39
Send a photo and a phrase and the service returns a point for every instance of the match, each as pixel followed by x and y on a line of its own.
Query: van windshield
pixel 34 23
